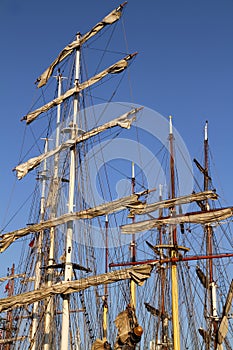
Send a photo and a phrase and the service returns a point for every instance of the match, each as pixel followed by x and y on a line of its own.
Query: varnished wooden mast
pixel 9 318
pixel 164 317
pixel 175 306
pixel 105 303
pixel 209 247
pixel 133 248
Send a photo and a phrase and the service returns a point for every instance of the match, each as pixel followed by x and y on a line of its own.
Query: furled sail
pixel 11 277
pixel 168 203
pixel 118 67
pixel 194 218
pixel 103 209
pixel 109 19
pixel 129 331
pixel 122 121
pixel 223 327
pixel 202 277
pixel 138 274
pixel 101 345
pixel 11 340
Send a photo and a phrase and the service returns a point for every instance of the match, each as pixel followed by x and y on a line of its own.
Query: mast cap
pixel 138 331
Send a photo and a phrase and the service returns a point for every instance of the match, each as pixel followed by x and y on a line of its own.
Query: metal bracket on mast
pixel 75 266
pixel 156 248
pixel 73 127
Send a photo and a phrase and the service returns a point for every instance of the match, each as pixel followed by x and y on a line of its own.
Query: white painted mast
pixel 35 319
pixel 69 233
pixel 49 310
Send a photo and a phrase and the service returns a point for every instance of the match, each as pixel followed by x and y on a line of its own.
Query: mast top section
pixel 122 5
pixel 133 170
pixel 160 190
pixel 206 130
pixel 111 18
pixel 170 125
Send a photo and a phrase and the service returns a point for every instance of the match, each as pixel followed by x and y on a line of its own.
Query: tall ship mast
pixel 121 249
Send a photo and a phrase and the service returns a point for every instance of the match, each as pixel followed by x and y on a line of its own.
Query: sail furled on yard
pixel 129 332
pixel 103 209
pixel 123 121
pixel 168 203
pixel 116 68
pixel 11 277
pixel 202 218
pixel 11 340
pixel 138 274
pixel 223 326
pixel 111 18
pixel 100 345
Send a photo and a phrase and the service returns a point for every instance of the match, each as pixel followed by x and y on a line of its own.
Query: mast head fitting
pixel 170 125
pixel 138 331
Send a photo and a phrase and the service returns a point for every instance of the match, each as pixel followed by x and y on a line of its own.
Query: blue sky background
pixel 184 68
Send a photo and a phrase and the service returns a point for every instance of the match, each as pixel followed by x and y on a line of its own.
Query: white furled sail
pixel 214 215
pixel 2 279
pixel 129 331
pixel 103 209
pixel 168 203
pixel 116 68
pixel 101 345
pixel 139 274
pixel 223 327
pixel 108 20
pixel 122 121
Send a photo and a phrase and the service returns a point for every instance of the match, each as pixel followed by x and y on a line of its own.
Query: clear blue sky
pixel 184 68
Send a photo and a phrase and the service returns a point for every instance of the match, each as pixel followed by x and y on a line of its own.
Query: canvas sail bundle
pixel 101 345
pixel 103 209
pixel 194 218
pixel 123 121
pixel 129 332
pixel 223 327
pixel 114 69
pixel 2 279
pixel 201 196
pixel 108 20
pixel 11 340
pixel 139 274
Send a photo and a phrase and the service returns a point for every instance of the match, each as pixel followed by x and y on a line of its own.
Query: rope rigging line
pixel 17 212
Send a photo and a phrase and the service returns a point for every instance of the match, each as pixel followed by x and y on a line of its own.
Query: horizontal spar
pixel 116 68
pixel 200 217
pixel 103 209
pixel 138 274
pixel 111 18
pixel 168 260
pixel 123 121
